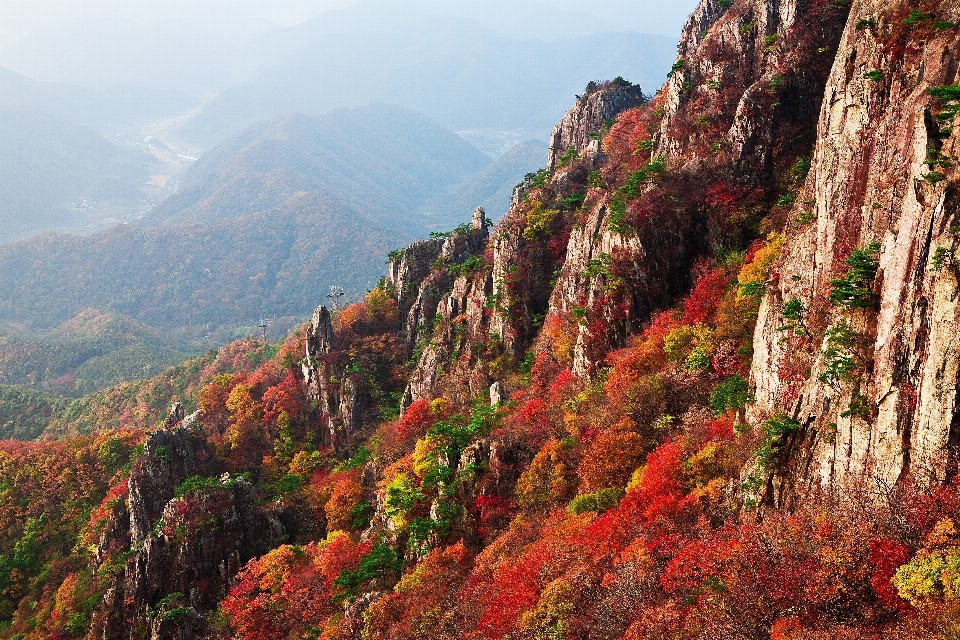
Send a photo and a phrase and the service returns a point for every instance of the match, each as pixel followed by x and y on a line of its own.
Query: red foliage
pixel 886 556
pixel 492 512
pixel 705 296
pixel 288 591
pixel 416 419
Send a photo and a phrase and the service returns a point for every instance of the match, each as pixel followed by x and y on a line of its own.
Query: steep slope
pixel 59 175
pixel 592 442
pixel 868 267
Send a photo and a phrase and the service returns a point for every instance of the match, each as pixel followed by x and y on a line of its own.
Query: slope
pixel 197 279
pixel 381 159
pixel 57 175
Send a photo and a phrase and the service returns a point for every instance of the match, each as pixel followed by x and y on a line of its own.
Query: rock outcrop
pixel 172 549
pixel 881 173
pixel 578 132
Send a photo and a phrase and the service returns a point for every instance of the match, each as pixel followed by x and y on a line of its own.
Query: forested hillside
pixel 699 382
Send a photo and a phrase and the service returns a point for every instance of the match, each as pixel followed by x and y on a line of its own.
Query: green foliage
pixel 839 359
pixel 936 158
pixel 595 180
pixel 536 179
pixel 776 83
pixel 360 515
pixel 874 75
pixel 929 575
pixel 468 267
pixel 949 97
pixel 866 23
pixel 859 407
pixel 357 461
pixel 774 432
pixel 800 169
pixel 568 157
pixel 195 484
pixel 786 200
pixel 539 221
pixel 597 502
pixel 730 395
pixel 382 562
pixel 679 65
pixel 793 312
pixel 852 291
pixel 25 413
pixel 698 360
pixel 941 256
pixel 630 190
pixel 915 17
pixel 401 496
pixel 288 483
pixel 573 201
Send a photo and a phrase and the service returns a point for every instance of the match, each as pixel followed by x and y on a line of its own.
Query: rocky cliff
pixel 173 545
pixel 873 377
pixel 738 294
pixel 580 130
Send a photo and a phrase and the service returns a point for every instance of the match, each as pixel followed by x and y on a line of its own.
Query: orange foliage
pixel 611 458
pixel 346 494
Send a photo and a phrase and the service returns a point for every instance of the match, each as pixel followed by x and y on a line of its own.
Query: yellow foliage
pixel 758 270
pixel 304 463
pixel 944 532
pixel 551 616
pixel 539 219
pixel 683 340
pixel 928 576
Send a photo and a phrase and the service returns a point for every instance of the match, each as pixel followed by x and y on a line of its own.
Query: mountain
pixel 491 189
pixel 699 382
pixel 380 159
pixel 201 278
pixel 55 174
pixel 262 223
pixel 114 111
pixel 92 350
pixel 454 70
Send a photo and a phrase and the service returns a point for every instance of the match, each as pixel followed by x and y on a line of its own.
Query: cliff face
pixel 578 132
pixel 172 548
pixel 881 173
pixel 609 320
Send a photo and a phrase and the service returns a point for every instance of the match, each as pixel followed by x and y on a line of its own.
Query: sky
pixel 252 17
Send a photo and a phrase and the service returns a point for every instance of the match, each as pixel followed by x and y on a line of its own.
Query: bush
pixel 597 502
pixel 730 395
pixel 852 291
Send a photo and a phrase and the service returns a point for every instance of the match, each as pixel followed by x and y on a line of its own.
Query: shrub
pixel 381 562
pixel 730 395
pixel 597 502
pixel 774 431
pixel 839 360
pixel 852 291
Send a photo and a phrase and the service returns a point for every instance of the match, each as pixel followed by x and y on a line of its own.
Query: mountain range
pixel 263 223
